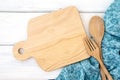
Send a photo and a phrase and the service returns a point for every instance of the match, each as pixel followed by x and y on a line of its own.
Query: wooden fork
pixel 94 51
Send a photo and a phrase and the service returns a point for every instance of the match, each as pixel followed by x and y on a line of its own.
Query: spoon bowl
pixel 96 29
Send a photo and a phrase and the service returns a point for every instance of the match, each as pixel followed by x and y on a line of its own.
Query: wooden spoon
pixel 96 29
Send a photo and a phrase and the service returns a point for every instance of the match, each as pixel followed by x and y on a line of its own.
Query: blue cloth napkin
pixel 89 69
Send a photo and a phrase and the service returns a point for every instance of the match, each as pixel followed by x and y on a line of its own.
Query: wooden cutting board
pixel 54 40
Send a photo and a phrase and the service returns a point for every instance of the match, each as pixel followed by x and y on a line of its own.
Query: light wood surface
pixel 96 29
pixel 54 40
pixel 14 17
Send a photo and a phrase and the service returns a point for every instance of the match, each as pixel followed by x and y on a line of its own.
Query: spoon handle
pixel 109 77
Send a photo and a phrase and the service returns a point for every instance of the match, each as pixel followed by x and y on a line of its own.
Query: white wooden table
pixel 14 16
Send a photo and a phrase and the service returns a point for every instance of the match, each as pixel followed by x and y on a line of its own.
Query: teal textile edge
pixel 89 69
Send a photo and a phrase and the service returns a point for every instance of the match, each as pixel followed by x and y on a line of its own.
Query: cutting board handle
pixel 20 52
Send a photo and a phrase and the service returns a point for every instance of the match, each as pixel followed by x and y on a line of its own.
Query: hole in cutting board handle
pixel 21 51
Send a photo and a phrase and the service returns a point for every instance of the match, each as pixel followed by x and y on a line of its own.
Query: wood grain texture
pixel 13 27
pixel 14 16
pixel 52 38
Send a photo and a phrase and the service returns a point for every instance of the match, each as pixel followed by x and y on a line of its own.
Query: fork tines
pixel 90 43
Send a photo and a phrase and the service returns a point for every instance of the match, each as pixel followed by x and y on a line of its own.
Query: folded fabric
pixel 89 69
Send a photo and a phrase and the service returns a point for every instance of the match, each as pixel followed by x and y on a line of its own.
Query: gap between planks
pixel 48 11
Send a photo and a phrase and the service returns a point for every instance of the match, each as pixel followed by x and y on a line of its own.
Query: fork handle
pixel 101 70
pixel 109 77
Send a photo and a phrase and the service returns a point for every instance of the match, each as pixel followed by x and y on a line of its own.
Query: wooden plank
pixel 11 69
pixel 13 26
pixel 50 5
